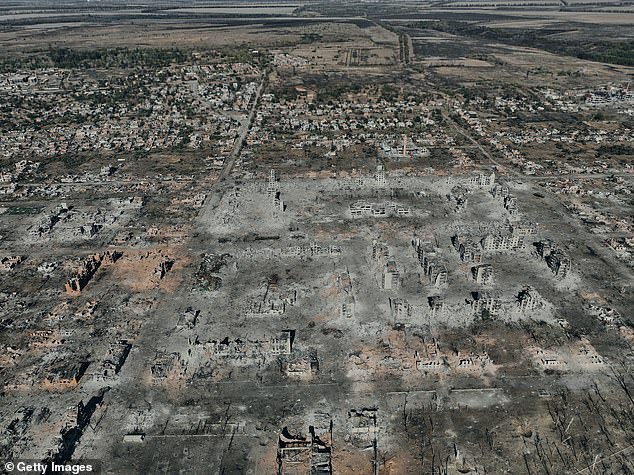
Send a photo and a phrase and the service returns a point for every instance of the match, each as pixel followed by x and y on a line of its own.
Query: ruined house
pixel 64 376
pixel 76 283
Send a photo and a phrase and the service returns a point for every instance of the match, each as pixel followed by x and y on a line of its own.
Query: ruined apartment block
pixel 485 304
pixel 273 191
pixel 510 204
pixel 391 277
pixel 429 257
pixel 348 308
pixel 481 181
pixel 523 230
pixel 556 259
pixel 482 274
pixel 528 299
pixel 380 176
pixel 469 251
pixel 475 362
pixel 500 190
pixel 378 210
pixel 437 307
pixel 246 349
pixel 502 242
pixel 401 309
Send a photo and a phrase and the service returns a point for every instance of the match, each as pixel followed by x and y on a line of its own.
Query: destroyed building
pixel 401 309
pixel 556 259
pixel 166 366
pixel 314 249
pixel 459 196
pixel 390 277
pixel 380 252
pixel 436 305
pixel 363 208
pixel 300 366
pixel 380 176
pixel 429 359
pixel 523 229
pixel 245 349
pixel 485 304
pixel 188 319
pixel 273 191
pixel 48 222
pixel 500 190
pixel 482 274
pixel 510 204
pixel 310 455
pixel 429 258
pixel 528 299
pixel 469 251
pixel 605 315
pixel 502 242
pixel 481 181
pixel 273 301
pixel 385 264
pixel 113 362
pixel 76 283
pixel 348 307
pixel 10 262
pixel 558 262
pixel 282 345
pixel 473 361
pixel 163 267
pixel 363 425
pixel 64 376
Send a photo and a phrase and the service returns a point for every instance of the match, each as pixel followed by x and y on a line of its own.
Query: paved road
pixel 218 188
pixel 475 143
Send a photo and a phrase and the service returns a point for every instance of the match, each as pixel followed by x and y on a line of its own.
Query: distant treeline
pixel 116 58
pixel 126 58
pixel 613 52
pixel 616 149
pixel 505 5
pixel 67 58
